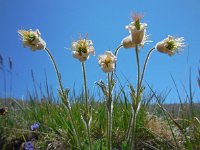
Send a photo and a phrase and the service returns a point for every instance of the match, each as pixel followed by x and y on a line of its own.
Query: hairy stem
pixel 87 117
pixel 145 64
pixel 115 53
pixel 65 100
pixel 88 134
pixel 56 69
pixel 109 104
pixel 109 114
pixel 117 49
pixel 138 96
pixel 128 135
pixel 136 102
pixel 85 86
pixel 133 131
pixel 138 74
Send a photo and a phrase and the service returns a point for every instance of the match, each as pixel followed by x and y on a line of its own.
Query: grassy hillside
pixel 176 127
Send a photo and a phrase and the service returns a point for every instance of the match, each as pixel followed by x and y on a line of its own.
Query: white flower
pixel 82 49
pixel 138 34
pixel 170 45
pixel 107 61
pixel 32 39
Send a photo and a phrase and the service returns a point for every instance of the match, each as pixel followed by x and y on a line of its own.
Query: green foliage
pixel 56 131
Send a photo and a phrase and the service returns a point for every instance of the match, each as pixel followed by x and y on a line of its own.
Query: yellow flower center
pixel 27 35
pixel 82 46
pixel 171 45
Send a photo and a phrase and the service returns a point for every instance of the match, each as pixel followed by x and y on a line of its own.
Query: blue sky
pixel 61 22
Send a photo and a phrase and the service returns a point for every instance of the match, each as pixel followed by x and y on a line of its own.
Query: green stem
pixel 109 113
pixel 138 73
pixel 65 100
pixel 87 119
pixel 145 64
pixel 85 86
pixel 115 53
pixel 109 146
pixel 88 134
pixel 56 69
pixel 133 131
pixel 130 125
pixel 109 105
pixel 134 115
pixel 117 49
pixel 136 102
pixel 107 127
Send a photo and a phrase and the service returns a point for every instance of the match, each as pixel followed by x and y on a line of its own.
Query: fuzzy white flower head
pixel 107 61
pixel 32 39
pixel 170 45
pixel 82 49
pixel 137 30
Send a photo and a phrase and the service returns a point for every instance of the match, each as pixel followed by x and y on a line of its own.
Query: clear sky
pixel 60 22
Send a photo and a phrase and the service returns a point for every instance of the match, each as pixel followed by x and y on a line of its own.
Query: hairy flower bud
pixel 127 42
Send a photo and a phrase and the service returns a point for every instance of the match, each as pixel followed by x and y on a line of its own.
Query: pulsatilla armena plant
pixel 136 40
pixel 81 50
pixel 33 40
pixel 107 62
